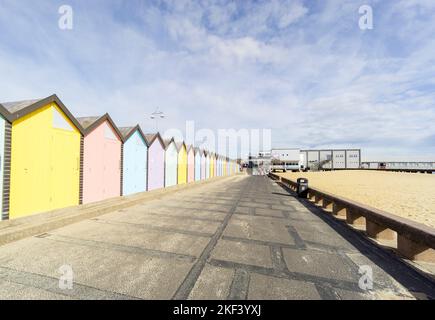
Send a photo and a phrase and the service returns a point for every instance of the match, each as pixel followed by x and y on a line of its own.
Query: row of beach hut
pixel 49 159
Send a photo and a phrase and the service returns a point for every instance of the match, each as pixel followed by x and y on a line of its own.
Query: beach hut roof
pixel 179 145
pixel 151 137
pixel 18 109
pixel 87 122
pixel 167 142
pixel 190 147
pixel 16 106
pixel 5 113
pixel 127 132
pixel 90 123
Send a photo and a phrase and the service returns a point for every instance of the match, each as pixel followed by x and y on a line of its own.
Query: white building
pixel 332 159
pixel 292 159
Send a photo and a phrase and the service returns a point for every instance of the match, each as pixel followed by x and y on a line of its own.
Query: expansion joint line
pixel 188 283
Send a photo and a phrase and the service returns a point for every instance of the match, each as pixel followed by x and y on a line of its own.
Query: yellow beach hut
pixel 212 164
pixel 46 161
pixel 182 162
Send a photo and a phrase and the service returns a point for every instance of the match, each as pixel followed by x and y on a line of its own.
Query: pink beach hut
pixel 101 158
pixel 190 164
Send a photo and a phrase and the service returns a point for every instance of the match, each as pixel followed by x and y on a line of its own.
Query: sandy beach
pixel 409 195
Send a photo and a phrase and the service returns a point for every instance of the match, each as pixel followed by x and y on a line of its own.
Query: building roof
pixel 18 109
pixel 86 122
pixel 90 123
pixel 179 145
pixel 16 106
pixel 151 137
pixel 189 147
pixel 127 132
pixel 167 142
pixel 5 113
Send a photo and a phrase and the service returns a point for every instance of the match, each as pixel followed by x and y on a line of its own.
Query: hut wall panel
pixel 212 161
pixel 134 165
pixel 45 158
pixel 156 166
pixel 191 166
pixel 182 166
pixel 198 166
pixel 171 162
pixel 203 167
pixel 101 166
pixel 207 167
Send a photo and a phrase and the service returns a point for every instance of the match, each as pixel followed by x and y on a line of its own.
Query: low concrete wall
pixel 412 240
pixel 12 230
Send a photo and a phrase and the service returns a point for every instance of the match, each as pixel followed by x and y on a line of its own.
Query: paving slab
pixel 16 291
pixel 245 253
pixel 383 275
pixel 213 284
pixel 254 204
pixel 244 210
pixel 319 233
pixel 269 212
pixel 271 288
pixel 259 228
pixel 321 264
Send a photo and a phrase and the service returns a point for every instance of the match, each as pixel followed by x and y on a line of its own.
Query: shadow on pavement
pixel 420 285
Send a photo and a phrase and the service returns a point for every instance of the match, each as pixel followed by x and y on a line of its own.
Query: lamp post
pixel 156 115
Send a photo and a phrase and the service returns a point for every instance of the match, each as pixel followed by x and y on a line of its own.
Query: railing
pixel 423 167
pixel 412 240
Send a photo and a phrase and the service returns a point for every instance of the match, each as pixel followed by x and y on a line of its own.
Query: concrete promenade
pixel 239 238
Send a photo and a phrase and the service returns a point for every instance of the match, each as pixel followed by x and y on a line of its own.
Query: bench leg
pixel 414 251
pixel 353 217
pixel 339 211
pixel 379 232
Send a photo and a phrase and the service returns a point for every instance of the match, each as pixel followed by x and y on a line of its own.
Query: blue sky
pixel 302 68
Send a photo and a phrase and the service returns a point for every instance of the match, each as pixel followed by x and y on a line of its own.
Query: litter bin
pixel 302 188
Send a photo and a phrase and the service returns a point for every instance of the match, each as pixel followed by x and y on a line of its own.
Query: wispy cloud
pixel 302 68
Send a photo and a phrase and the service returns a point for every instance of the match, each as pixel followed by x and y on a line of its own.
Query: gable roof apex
pixel 90 123
pixel 18 109
pixel 151 137
pixel 167 142
pixel 127 132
